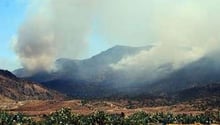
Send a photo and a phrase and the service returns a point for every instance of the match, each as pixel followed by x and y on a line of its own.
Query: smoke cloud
pixel 137 23
pixel 54 29
pixel 183 30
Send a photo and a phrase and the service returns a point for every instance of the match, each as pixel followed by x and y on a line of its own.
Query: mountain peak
pixel 120 46
pixel 134 47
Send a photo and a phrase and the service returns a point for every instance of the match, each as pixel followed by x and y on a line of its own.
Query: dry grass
pixel 40 107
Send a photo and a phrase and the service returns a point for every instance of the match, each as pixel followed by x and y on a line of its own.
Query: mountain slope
pixel 68 68
pixel 80 78
pixel 94 77
pixel 201 72
pixel 207 91
pixel 19 89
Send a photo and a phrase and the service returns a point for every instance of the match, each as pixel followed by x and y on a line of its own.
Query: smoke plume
pixel 184 31
pixel 55 29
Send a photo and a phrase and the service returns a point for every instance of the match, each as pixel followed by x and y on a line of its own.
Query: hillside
pixel 85 78
pixel 199 73
pixel 14 88
pixel 95 78
pixel 210 91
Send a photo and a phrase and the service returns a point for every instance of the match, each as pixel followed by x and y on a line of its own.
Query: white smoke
pixel 185 30
pixel 55 29
pixel 158 61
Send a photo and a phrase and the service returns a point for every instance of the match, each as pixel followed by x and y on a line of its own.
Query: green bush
pixel 62 117
pixel 14 119
pixel 66 117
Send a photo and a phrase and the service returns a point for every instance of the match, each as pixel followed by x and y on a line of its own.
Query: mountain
pixel 89 77
pixel 201 72
pixel 94 77
pixel 14 88
pixel 202 97
pixel 210 91
pixel 92 69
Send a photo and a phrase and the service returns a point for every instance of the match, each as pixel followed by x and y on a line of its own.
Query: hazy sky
pixel 34 33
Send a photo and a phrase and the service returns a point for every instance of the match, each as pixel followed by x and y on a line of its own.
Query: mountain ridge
pixel 95 78
pixel 19 89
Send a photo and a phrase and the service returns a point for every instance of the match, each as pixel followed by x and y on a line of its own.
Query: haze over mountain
pixel 201 72
pixel 77 29
pixel 95 77
pixel 52 40
pixel 76 76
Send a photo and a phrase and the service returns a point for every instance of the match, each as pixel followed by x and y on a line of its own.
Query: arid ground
pixel 41 107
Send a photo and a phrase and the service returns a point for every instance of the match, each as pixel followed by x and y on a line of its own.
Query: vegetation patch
pixel 64 116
